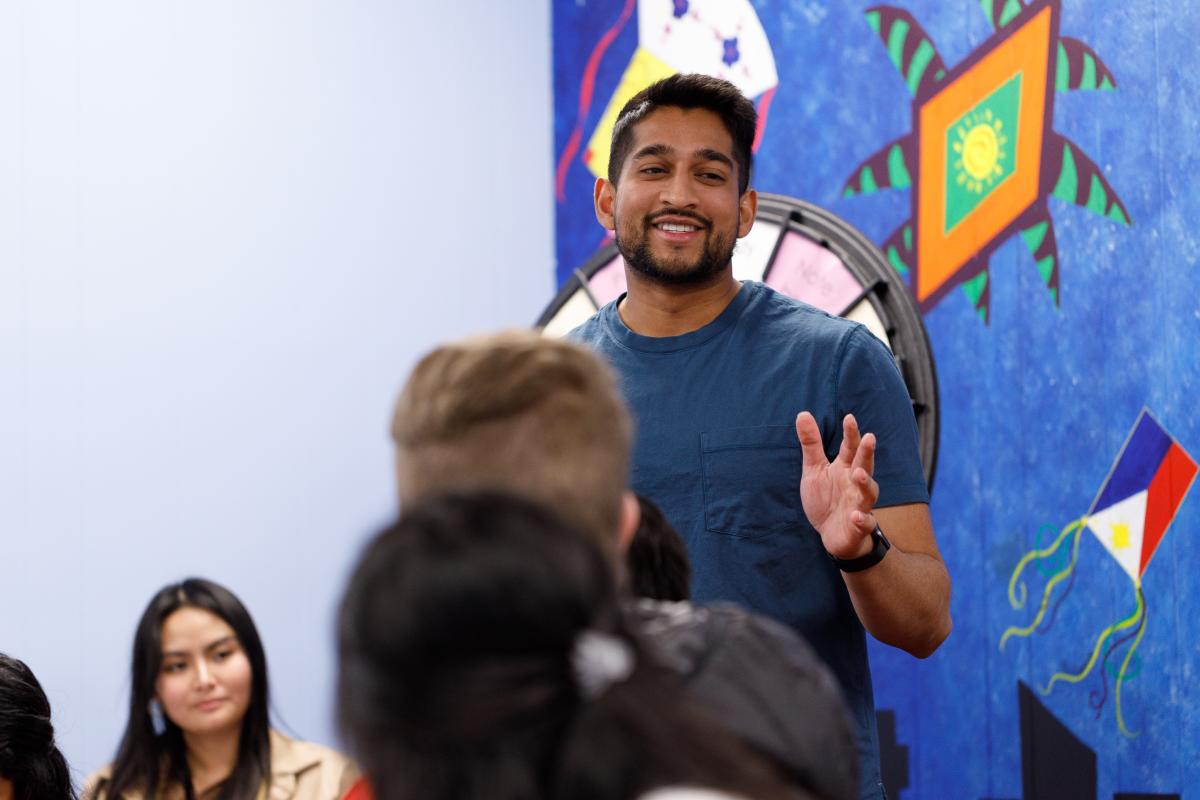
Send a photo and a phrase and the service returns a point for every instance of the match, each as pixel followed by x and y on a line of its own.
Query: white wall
pixel 227 230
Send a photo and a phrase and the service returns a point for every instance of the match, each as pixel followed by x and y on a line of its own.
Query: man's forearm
pixel 904 600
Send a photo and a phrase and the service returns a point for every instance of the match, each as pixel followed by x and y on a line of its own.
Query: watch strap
pixel 882 545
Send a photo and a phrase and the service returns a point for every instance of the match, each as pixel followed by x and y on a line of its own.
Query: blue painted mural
pixel 1057 277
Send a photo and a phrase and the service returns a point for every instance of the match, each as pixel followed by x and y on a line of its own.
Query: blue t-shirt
pixel 716 449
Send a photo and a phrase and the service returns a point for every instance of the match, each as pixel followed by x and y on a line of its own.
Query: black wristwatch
pixel 882 545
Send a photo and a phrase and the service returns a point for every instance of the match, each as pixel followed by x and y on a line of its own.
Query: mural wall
pixel 1026 168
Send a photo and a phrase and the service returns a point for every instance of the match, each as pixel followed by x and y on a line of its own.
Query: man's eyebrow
pixel 654 150
pixel 708 154
pixel 703 154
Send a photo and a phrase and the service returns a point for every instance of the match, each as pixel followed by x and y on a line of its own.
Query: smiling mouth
pixel 677 227
pixel 677 221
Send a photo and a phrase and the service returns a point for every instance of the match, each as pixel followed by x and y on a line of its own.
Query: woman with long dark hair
pixel 198 712
pixel 483 655
pixel 31 766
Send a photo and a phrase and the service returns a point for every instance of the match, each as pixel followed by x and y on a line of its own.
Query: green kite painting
pixel 982 159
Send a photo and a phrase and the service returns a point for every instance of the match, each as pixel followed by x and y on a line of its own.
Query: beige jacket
pixel 299 771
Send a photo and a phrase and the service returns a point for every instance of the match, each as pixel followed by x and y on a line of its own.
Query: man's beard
pixel 718 251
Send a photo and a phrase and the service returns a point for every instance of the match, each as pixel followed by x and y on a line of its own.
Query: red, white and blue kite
pixel 1136 504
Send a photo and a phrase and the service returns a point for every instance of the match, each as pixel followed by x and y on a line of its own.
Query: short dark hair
pixel 657 558
pixel 689 90
pixel 147 759
pixel 28 755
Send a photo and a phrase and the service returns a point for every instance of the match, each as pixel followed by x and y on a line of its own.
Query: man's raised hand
pixel 838 495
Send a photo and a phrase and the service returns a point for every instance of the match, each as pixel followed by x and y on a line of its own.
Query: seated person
pixel 657 558
pixel 483 654
pixel 31 766
pixel 198 724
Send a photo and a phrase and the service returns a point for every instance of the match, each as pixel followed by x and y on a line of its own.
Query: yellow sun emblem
pixel 981 156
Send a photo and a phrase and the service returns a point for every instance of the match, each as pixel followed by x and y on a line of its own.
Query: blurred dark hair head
pixel 657 559
pixel 147 759
pixel 29 757
pixel 460 674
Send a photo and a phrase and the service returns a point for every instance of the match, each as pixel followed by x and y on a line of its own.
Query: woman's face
pixel 204 682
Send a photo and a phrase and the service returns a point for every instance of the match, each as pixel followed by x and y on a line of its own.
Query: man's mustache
pixel 671 212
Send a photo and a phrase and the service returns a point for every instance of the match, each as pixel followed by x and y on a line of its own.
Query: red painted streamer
pixel 764 106
pixel 586 88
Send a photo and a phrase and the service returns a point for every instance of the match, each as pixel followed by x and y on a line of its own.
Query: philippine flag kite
pixel 1136 504
pixel 1144 490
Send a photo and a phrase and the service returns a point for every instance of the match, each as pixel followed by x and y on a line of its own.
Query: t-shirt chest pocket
pixel 751 480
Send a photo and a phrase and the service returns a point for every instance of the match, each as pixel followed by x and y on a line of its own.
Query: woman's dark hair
pixel 29 758
pixel 456 640
pixel 147 760
pixel 657 559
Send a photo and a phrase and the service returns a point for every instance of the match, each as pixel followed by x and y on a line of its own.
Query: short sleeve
pixel 869 386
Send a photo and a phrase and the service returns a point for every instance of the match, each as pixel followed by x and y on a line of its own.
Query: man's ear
pixel 747 209
pixel 605 199
pixel 631 516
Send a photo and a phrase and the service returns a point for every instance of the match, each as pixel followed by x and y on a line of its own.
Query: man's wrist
pixel 876 547
pixel 865 546
pixel 859 549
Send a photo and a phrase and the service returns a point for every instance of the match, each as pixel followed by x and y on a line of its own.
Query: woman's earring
pixel 157 721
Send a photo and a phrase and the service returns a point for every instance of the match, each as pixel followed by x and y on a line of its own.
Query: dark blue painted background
pixel 1035 405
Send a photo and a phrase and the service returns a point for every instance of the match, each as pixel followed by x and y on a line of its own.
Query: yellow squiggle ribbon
pixel 1014 630
pixel 1128 622
pixel 1125 665
pixel 1030 556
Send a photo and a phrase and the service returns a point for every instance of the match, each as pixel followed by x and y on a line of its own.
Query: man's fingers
pixel 865 457
pixel 811 447
pixel 850 440
pixel 868 488
pixel 864 521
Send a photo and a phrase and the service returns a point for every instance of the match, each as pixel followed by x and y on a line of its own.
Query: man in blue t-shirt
pixel 802 517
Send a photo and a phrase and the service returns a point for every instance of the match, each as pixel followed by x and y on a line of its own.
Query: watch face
pixel 881 541
pixel 812 255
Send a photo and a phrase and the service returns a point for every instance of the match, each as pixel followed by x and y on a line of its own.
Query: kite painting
pixel 1129 517
pixel 723 38
pixel 982 159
